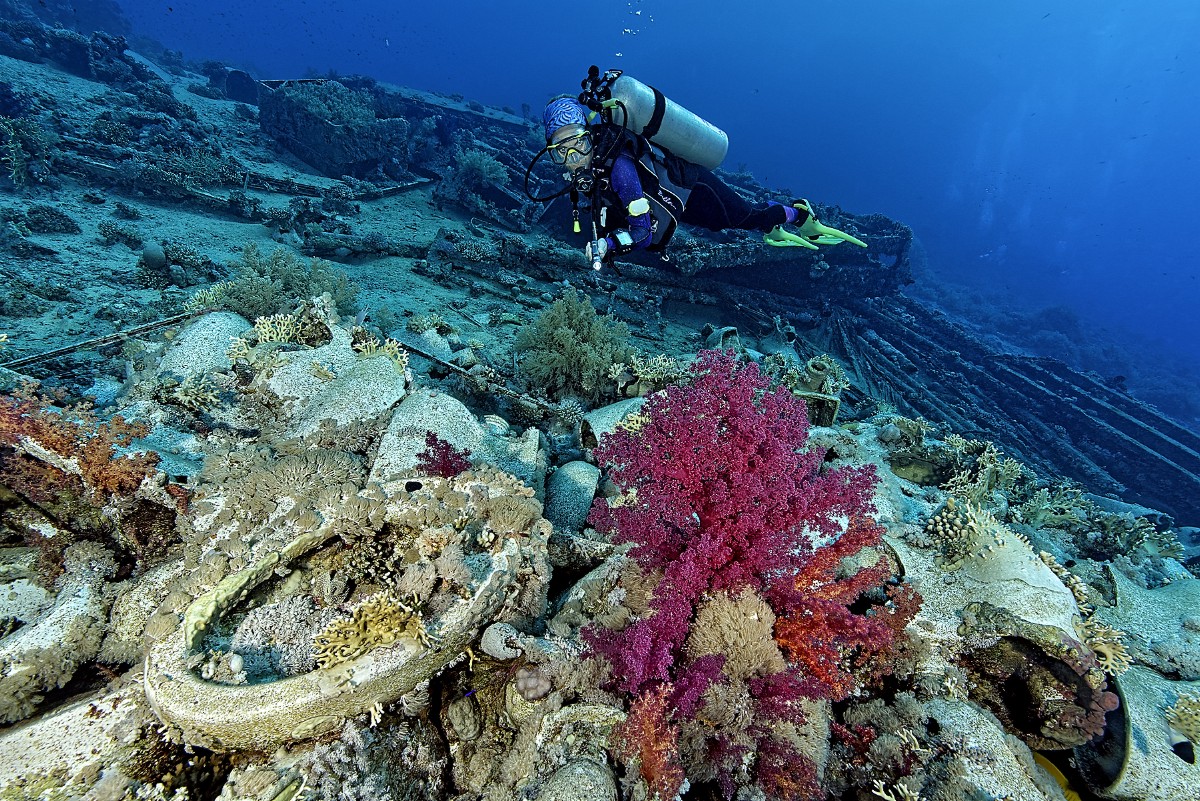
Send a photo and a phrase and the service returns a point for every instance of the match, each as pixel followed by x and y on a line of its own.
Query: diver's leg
pixel 715 205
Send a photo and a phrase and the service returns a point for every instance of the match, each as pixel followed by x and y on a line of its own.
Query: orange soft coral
pixel 648 737
pixel 80 447
pixel 821 635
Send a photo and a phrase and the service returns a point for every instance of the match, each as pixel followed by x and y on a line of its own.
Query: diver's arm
pixel 628 186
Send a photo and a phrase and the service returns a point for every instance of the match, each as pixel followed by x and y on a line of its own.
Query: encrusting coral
pixel 1023 627
pixel 325 589
pixel 350 680
pixel 44 654
pixel 417 564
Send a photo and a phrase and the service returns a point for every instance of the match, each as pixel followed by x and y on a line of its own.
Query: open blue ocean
pixel 1042 152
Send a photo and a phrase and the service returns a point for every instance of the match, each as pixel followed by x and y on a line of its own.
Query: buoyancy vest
pixel 666 183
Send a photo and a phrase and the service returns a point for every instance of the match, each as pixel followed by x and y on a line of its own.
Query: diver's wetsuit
pixel 710 202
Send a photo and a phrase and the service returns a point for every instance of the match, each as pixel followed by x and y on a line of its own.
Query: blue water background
pixel 1044 149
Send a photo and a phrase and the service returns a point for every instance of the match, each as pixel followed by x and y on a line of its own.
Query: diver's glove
pixel 601 250
pixel 812 232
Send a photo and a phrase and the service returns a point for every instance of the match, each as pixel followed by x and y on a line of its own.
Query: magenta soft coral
pixel 725 496
pixel 721 492
pixel 440 458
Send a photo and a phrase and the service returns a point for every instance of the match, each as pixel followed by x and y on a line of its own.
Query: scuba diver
pixel 643 164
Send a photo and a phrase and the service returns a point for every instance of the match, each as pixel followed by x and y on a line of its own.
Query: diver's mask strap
pixel 529 172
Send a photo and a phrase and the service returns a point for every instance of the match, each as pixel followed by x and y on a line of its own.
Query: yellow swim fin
pixel 817 232
pixel 779 238
pixel 825 239
pixel 1057 775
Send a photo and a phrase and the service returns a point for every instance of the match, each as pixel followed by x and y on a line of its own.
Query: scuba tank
pixel 646 111
pixel 661 135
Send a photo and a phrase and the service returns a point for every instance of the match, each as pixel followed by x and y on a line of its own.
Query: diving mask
pixel 572 150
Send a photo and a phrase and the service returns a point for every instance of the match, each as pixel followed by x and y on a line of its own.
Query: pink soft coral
pixel 719 492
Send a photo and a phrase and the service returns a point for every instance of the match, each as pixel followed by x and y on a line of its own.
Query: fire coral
pixel 720 493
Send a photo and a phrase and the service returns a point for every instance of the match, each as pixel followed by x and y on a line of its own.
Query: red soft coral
pixel 71 467
pixel 818 632
pixel 783 773
pixel 82 447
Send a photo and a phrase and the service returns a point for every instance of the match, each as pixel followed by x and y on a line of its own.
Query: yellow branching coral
pixel 239 350
pixel 1184 717
pixel 433 321
pixel 368 346
pixel 1064 507
pixel 196 393
pixel 1074 583
pixel 208 297
pixel 899 792
pixel 1107 643
pixel 634 422
pixel 983 471
pixel 654 371
pixel 913 429
pixel 277 328
pixel 379 621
